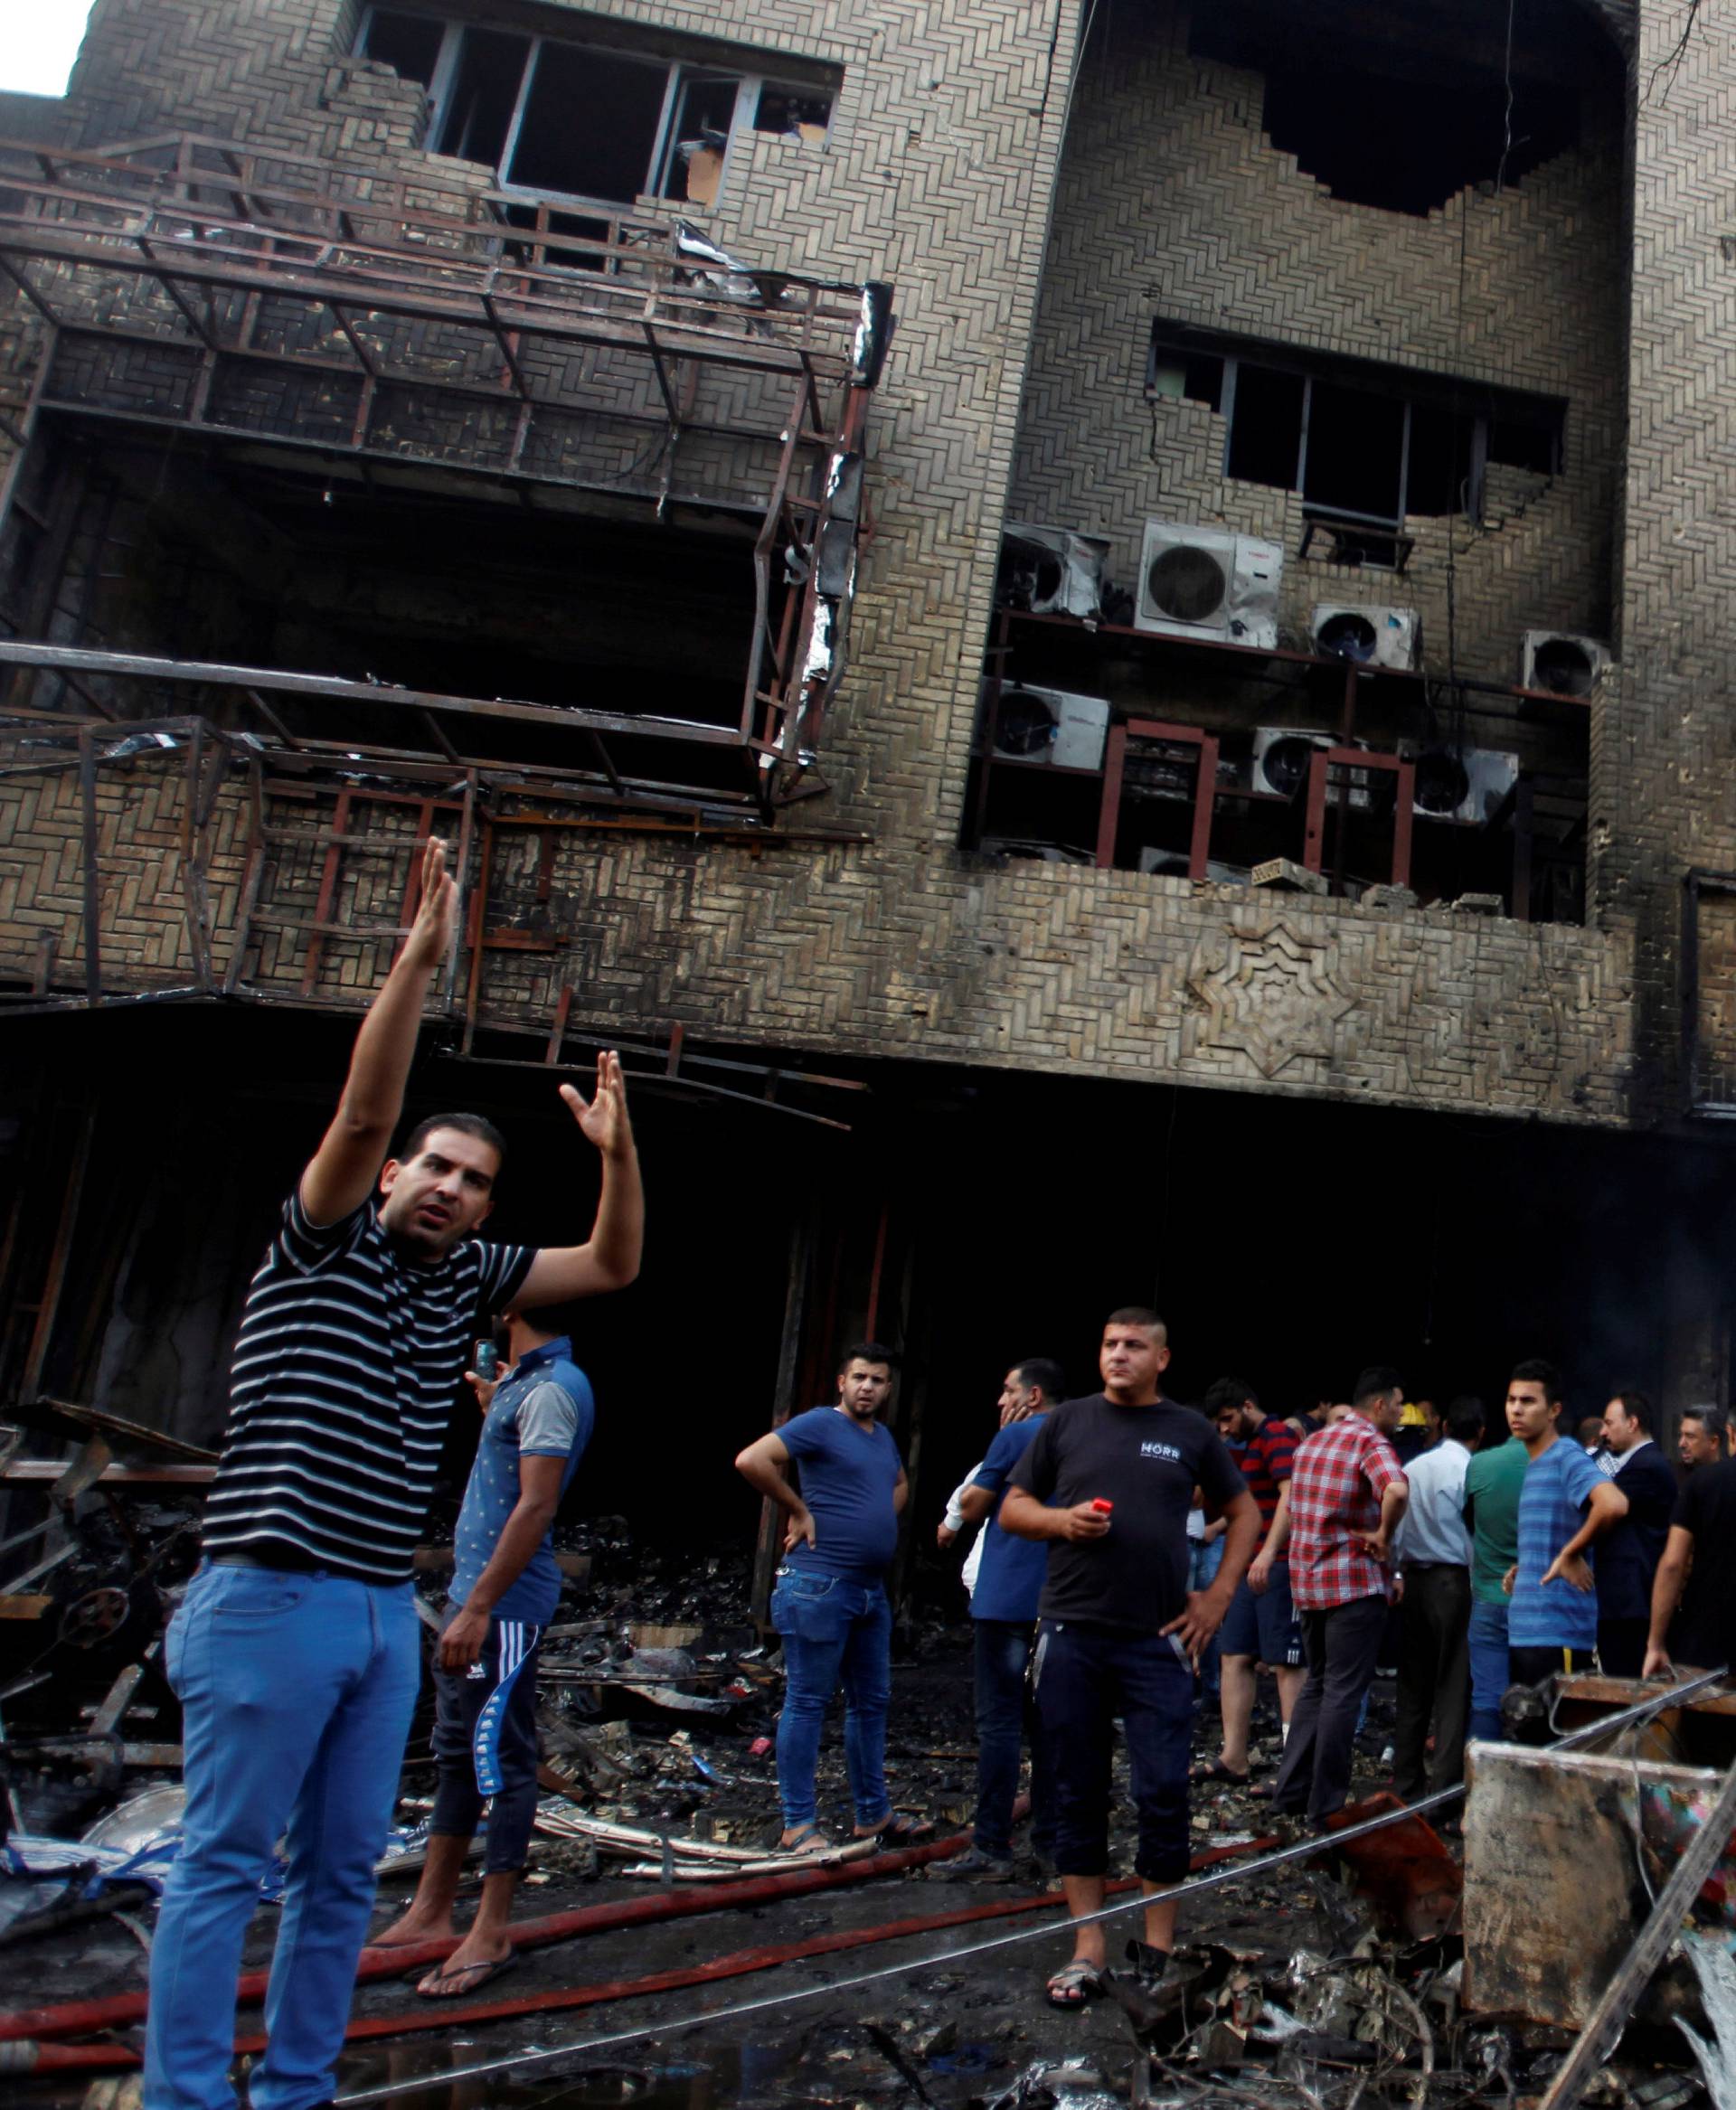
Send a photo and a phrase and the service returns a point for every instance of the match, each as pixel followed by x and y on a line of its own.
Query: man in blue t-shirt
pixel 505 1586
pixel 1004 1613
pixel 1564 1504
pixel 829 1601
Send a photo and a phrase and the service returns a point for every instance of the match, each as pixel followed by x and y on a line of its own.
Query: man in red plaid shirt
pixel 1347 1493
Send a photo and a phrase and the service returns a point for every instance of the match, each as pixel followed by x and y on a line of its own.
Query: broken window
pixel 1266 427
pixel 586 121
pixel 610 157
pixel 409 43
pixel 477 111
pixel 1364 445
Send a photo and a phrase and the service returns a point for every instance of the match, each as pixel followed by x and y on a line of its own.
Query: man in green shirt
pixel 1492 1483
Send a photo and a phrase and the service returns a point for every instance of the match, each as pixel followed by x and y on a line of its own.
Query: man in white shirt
pixel 1433 1551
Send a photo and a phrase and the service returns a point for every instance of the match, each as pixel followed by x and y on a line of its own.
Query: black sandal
pixel 1075 1984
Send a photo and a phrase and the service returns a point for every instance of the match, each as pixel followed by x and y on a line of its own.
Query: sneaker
pixel 973 1866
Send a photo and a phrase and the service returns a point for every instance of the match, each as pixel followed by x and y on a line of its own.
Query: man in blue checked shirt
pixel 505 1586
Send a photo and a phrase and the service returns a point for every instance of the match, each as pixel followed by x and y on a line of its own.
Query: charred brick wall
pixel 1174 204
pixel 936 174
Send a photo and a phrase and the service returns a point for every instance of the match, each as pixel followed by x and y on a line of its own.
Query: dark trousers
pixel 1004 1719
pixel 1621 1646
pixel 485 1744
pixel 1531 1666
pixel 1086 1676
pixel 1434 1679
pixel 1341 1646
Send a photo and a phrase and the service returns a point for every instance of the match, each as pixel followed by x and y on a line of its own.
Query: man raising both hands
pixel 1109 1482
pixel 295 1652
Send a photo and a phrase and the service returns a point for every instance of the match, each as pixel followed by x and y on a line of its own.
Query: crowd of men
pixel 1127 1541
pixel 1131 1549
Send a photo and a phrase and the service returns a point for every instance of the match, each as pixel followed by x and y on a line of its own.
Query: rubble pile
pixel 1334 1984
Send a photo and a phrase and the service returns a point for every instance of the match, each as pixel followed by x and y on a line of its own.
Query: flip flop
pixel 440 1984
pixel 1218 1770
pixel 1075 1984
pixel 900 1830
pixel 809 1840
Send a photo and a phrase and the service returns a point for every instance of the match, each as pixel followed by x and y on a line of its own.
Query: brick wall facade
pixel 939 174
pixel 1174 203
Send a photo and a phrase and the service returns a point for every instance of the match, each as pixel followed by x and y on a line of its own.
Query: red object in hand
pixel 1102 1507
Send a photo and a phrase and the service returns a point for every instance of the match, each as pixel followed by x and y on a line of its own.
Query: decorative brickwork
pixel 938 174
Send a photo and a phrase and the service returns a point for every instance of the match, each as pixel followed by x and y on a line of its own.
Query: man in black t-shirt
pixel 1108 1481
pixel 1703 1536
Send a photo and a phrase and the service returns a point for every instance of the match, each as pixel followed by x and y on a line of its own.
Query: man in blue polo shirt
pixel 1004 1614
pixel 1564 1505
pixel 829 1603
pixel 506 1586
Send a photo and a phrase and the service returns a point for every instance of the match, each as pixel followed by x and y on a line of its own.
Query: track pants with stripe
pixel 485 1741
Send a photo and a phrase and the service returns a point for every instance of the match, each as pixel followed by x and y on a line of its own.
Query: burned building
pixel 1095 636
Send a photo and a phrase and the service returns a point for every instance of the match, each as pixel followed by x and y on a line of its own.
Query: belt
pixel 280 1557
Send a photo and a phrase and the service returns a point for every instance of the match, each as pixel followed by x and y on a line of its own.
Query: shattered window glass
pixel 805 111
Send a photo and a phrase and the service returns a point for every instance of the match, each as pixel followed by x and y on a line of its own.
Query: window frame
pixel 435 97
pixel 1168 347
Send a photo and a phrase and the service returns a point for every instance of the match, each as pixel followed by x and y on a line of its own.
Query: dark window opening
pixel 1517 443
pixel 1365 446
pixel 1266 427
pixel 1185 377
pixel 792 109
pixel 1437 480
pixel 409 43
pixel 484 92
pixel 1355 452
pixel 590 124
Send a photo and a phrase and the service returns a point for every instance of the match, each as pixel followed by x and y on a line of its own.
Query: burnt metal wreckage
pixel 1508 1979
pixel 385 331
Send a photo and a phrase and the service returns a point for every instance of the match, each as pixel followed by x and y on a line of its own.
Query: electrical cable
pixel 1216 1878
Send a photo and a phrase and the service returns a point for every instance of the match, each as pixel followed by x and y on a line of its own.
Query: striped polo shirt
pixel 344 1375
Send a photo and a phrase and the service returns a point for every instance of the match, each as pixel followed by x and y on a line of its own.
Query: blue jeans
pixel 1489 1675
pixel 832 1629
pixel 1003 1719
pixel 295 1693
pixel 1086 1677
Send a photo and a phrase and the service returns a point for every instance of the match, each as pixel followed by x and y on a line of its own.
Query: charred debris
pixel 1499 1954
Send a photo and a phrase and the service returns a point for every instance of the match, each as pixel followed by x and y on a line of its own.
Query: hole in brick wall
pixel 1375 140
pixel 1404 107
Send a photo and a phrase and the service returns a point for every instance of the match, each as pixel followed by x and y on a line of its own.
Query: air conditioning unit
pixel 1561 664
pixel 1282 756
pixel 1390 637
pixel 1467 786
pixel 1051 726
pixel 1203 582
pixel 1051 571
